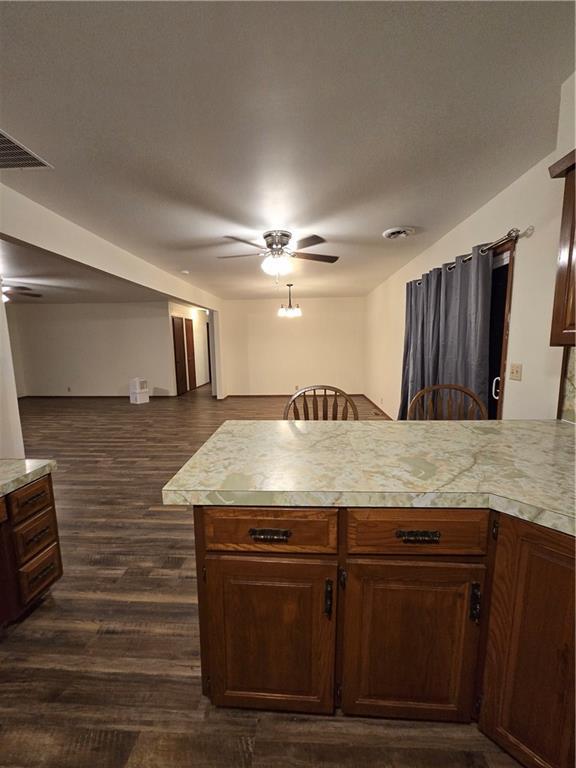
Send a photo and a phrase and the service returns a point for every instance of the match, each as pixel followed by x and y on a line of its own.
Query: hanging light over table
pixel 290 311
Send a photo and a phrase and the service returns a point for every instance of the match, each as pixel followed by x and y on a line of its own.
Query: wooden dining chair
pixel 320 403
pixel 446 401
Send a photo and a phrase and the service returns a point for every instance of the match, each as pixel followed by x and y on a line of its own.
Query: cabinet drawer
pixel 30 499
pixel 417 531
pixel 34 535
pixel 3 512
pixel 40 573
pixel 259 529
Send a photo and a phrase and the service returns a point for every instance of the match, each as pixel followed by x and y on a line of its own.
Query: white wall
pixel 91 349
pixel 199 323
pixel 11 445
pixel 269 355
pixel 533 199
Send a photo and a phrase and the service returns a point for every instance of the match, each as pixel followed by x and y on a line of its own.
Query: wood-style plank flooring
pixel 105 673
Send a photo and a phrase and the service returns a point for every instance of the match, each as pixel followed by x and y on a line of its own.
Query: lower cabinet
pixel 30 559
pixel 439 612
pixel 272 632
pixel 528 703
pixel 410 639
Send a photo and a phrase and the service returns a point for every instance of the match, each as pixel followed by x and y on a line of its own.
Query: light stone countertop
pixel 14 473
pixel 523 468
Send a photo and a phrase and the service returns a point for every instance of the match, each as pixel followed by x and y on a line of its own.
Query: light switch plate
pixel 516 371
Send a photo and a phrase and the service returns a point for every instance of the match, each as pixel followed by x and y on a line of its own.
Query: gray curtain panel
pixel 448 328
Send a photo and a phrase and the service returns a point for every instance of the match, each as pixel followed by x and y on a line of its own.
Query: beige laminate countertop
pixel 523 468
pixel 14 473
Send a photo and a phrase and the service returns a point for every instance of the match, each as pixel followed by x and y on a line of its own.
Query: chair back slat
pixel 450 401
pixel 460 407
pixel 341 407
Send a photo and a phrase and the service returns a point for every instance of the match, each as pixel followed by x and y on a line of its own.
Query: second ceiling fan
pixel 278 255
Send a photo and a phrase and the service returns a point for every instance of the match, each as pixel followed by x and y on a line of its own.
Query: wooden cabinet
pixel 403 642
pixel 410 638
pixel 563 331
pixel 271 632
pixel 528 703
pixel 30 559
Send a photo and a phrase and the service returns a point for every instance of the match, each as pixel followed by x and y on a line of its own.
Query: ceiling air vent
pixel 14 155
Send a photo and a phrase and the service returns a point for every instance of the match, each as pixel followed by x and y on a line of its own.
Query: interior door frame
pixel 510 248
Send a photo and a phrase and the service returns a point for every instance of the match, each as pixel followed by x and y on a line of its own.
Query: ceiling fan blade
pixel 16 288
pixel 241 240
pixel 238 256
pixel 29 295
pixel 308 242
pixel 316 257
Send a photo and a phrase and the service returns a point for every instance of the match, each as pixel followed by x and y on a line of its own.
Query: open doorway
pixel 192 356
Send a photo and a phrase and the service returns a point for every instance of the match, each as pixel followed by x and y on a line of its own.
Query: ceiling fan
pixel 278 255
pixel 12 291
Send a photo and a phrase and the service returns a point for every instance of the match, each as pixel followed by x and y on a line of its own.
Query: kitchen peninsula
pixel 396 569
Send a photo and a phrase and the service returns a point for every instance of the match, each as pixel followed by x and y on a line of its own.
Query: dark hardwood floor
pixel 105 673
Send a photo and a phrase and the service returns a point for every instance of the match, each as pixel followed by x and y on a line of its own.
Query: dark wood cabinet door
pixel 563 314
pixel 528 703
pixel 410 640
pixel 179 355
pixel 272 632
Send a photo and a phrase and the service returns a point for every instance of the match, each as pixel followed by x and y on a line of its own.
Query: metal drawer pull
pixel 270 534
pixel 44 572
pixel 32 499
pixel 419 537
pixel 328 597
pixel 38 536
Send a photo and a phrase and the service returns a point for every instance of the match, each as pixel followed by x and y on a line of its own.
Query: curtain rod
pixel 512 234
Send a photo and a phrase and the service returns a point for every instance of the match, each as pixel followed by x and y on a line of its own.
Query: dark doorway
pixel 190 355
pixel 499 326
pixel 179 355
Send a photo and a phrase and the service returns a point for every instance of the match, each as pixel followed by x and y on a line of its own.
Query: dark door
pixel 209 353
pixel 528 705
pixel 410 639
pixel 179 355
pixel 190 357
pixel 272 632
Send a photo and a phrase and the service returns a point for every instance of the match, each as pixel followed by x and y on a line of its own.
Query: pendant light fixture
pixel 290 311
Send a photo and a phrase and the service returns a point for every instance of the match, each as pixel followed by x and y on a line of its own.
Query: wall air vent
pixel 14 155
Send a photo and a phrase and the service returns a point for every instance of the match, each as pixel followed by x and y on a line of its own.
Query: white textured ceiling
pixel 63 281
pixel 170 125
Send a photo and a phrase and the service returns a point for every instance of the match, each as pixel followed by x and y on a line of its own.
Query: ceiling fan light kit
pixel 278 258
pixel 277 265
pixel 290 310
